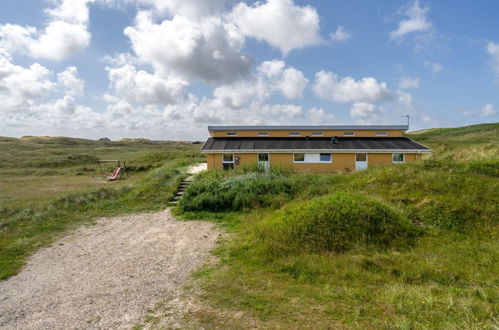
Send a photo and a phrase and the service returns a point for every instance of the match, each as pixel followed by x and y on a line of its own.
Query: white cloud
pixel 416 21
pixel 328 85
pixel 319 116
pixel 489 110
pixel 272 77
pixel 293 83
pixel 366 113
pixel 64 35
pixel 73 11
pixel 139 86
pixel 272 68
pixel 340 35
pixel 433 66
pixel 69 80
pixel 19 85
pixel 207 49
pixel 187 8
pixel 60 40
pixel 409 83
pixel 16 38
pixel 493 50
pixel 280 23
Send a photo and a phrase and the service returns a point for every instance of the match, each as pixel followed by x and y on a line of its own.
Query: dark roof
pixel 309 127
pixel 313 143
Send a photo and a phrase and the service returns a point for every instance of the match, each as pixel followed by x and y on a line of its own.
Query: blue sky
pixel 165 69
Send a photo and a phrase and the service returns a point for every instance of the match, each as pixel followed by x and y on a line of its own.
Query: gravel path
pixel 105 275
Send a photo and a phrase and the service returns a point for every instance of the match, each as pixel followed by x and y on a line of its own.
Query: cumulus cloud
pixel 69 80
pixel 16 38
pixel 340 35
pixel 20 85
pixel 140 86
pixel 64 35
pixel 280 23
pixel 409 83
pixel 329 85
pixel 366 113
pixel 416 21
pixel 493 50
pixel 489 110
pixel 207 49
pixel 271 77
pixel 290 82
pixel 319 116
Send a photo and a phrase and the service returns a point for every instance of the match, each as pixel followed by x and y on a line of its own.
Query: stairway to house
pixel 181 189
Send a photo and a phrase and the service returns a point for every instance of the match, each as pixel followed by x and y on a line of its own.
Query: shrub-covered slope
pixel 282 268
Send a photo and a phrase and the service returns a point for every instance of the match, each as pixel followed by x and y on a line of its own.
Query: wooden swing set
pixel 119 171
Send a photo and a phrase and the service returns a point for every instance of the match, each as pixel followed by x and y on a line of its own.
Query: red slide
pixel 115 174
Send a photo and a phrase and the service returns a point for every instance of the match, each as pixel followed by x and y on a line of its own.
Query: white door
pixel 360 161
pixel 263 161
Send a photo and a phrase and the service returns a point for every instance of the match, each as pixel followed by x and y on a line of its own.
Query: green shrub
pixel 333 223
pixel 234 193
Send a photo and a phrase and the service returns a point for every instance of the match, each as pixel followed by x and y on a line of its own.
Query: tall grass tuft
pixel 255 189
pixel 334 223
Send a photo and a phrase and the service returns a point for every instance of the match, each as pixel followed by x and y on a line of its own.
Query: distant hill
pixel 465 143
pixel 490 130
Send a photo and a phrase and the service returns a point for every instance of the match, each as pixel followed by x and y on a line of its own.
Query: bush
pixel 238 192
pixel 333 223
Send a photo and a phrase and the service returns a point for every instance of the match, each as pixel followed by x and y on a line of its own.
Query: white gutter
pixel 304 151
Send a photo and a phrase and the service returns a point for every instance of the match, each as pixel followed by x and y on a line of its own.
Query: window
pixel 263 157
pixel 361 157
pixel 228 161
pixel 299 157
pixel 263 134
pixel 228 158
pixel 231 134
pixel 317 134
pixel 312 158
pixel 381 134
pixel 294 133
pixel 325 157
pixel 398 158
pixel 348 133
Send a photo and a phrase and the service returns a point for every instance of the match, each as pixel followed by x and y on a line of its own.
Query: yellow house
pixel 311 148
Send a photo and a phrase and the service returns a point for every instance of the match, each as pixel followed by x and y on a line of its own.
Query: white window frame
pixel 262 133
pixel 345 134
pixel 313 158
pixel 381 134
pixel 231 133
pixel 228 161
pixel 294 134
pixel 398 162
pixel 317 134
pixel 299 161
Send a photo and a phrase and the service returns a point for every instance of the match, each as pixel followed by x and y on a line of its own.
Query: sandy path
pixel 106 275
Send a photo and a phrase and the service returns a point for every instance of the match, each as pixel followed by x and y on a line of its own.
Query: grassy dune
pixel 442 275
pixel 46 187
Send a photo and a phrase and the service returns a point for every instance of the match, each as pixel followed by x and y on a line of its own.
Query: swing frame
pixel 123 173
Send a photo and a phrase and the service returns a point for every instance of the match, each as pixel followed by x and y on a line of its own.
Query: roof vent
pixel 334 139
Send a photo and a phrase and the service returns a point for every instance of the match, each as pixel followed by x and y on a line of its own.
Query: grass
pixel 36 210
pixel 332 223
pixel 446 278
pixel 38 170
